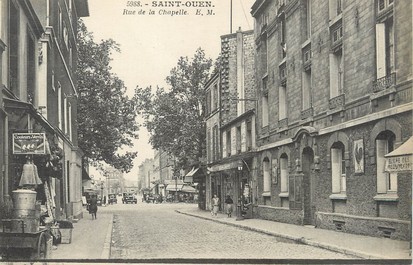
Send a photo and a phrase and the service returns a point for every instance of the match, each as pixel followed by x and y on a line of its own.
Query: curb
pixel 108 239
pixel 300 240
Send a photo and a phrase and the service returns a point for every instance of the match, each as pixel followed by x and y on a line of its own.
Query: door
pixel 308 186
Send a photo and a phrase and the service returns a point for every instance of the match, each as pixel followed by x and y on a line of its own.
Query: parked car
pixel 129 198
pixel 112 199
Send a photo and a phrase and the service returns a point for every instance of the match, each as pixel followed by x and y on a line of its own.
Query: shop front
pixel 233 179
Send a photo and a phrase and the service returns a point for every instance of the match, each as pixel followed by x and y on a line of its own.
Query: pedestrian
pixel 215 205
pixel 229 202
pixel 93 206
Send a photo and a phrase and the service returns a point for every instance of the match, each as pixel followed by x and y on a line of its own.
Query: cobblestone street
pixel 144 231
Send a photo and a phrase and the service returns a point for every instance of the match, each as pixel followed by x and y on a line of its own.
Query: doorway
pixel 308 186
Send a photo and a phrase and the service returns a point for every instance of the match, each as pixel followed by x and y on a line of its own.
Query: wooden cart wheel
pixel 42 247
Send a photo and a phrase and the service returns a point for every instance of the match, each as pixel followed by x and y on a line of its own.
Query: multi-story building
pixel 38 60
pixel 334 81
pixel 145 173
pixel 230 121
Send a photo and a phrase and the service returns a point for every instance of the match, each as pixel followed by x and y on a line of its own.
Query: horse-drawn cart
pixel 23 245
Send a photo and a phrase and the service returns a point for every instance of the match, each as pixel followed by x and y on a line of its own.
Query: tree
pixel 106 116
pixel 175 117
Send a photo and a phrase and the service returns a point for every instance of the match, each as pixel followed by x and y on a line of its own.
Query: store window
pixel 266 175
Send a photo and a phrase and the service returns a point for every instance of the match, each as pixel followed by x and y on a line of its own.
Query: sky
pixel 152 44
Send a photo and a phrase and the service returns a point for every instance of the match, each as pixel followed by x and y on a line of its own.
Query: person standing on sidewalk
pixel 229 202
pixel 93 206
pixel 215 205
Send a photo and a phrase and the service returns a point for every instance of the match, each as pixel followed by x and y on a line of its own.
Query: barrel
pixel 24 200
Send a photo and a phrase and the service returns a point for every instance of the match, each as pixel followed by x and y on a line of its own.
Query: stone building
pixel 38 57
pixel 334 83
pixel 230 121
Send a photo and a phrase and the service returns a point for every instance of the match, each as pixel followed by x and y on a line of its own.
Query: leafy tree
pixel 106 116
pixel 175 117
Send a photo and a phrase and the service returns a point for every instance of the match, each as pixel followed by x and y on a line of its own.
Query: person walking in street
pixel 229 202
pixel 215 205
pixel 93 206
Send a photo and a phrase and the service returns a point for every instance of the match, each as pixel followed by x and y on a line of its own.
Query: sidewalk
pixel 90 239
pixel 360 246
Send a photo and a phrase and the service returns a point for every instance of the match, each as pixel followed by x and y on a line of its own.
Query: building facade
pixel 334 83
pixel 38 60
pixel 230 122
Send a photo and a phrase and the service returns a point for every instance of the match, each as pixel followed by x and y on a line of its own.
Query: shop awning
pixel 189 189
pixel 173 187
pixel 189 177
pixel 401 158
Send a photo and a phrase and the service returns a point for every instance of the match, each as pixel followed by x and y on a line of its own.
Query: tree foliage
pixel 106 116
pixel 175 117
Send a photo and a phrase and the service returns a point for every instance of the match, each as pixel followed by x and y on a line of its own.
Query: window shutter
pixel 380 50
pixel 381 150
pixel 333 76
pixel 224 144
pixel 267 176
pixel 284 174
pixel 335 170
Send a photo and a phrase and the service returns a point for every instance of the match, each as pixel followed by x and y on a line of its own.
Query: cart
pixel 32 245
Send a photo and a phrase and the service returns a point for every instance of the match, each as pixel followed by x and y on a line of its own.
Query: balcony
pixel 336 102
pixel 307 113
pixel 283 123
pixel 384 83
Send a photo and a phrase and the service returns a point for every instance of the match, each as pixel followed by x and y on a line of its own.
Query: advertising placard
pixel 29 143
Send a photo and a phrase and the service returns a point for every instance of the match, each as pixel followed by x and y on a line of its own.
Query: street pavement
pixel 92 239
pixel 365 247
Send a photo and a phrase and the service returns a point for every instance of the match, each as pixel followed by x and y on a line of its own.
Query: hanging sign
pixel 399 163
pixel 29 143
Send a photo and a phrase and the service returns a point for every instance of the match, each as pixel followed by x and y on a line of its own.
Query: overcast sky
pixel 152 44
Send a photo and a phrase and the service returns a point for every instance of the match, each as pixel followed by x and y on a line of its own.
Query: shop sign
pixel 29 143
pixel 399 163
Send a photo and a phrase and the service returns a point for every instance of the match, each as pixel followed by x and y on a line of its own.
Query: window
pixel 53 82
pixel 264 55
pixel 215 97
pixel 335 8
pixel 386 182
pixel 208 102
pixel 69 120
pixel 336 74
pixel 70 55
pixel 65 35
pixel 307 19
pixel 60 23
pixel 65 115
pixel 384 48
pixel 306 90
pixel 264 105
pixel 338 168
pixel 31 70
pixel 266 175
pixel 249 136
pixel 59 105
pixel 215 145
pixel 229 143
pixel 209 145
pixel 238 139
pixel 283 36
pixel 284 173
pixel 14 48
pixel 282 103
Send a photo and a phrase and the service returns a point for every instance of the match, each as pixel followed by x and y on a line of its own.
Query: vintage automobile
pixel 112 199
pixel 129 198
